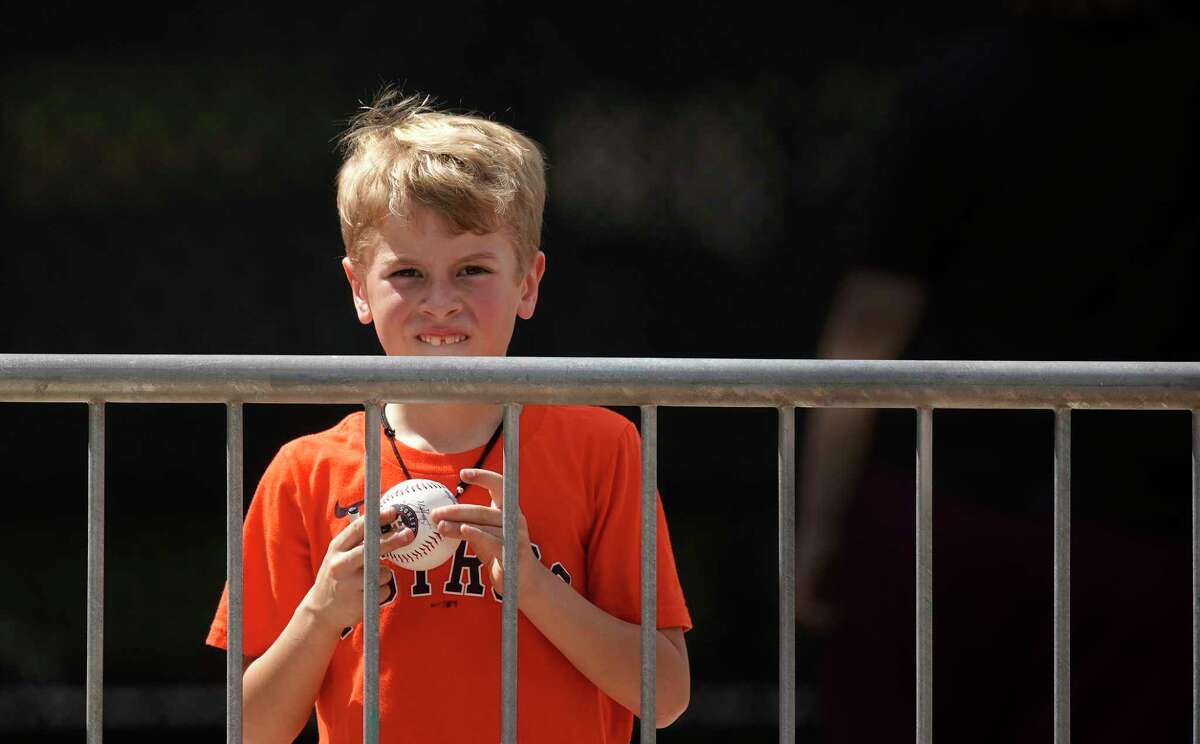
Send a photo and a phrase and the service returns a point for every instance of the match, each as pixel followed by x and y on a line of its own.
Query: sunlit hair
pixel 402 152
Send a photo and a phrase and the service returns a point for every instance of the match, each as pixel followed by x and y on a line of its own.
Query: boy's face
pixel 431 292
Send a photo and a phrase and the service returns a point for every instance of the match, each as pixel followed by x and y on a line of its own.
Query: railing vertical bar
pixel 787 574
pixel 1195 577
pixel 1062 576
pixel 95 575
pixel 233 569
pixel 371 433
pixel 508 639
pixel 649 646
pixel 924 576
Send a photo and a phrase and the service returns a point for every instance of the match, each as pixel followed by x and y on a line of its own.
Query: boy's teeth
pixel 442 340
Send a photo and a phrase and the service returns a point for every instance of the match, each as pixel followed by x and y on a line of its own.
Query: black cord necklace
pixel 390 433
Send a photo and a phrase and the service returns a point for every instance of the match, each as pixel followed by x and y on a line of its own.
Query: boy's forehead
pixel 428 234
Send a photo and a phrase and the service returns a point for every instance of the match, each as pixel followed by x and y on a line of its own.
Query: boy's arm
pixel 605 649
pixel 280 687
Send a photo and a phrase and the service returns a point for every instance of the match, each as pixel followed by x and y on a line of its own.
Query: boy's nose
pixel 441 301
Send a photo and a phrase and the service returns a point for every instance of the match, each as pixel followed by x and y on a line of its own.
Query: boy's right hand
pixel 335 598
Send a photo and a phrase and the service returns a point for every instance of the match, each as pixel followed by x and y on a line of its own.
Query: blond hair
pixel 402 152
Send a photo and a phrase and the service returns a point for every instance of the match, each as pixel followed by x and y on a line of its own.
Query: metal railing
pixel 647 383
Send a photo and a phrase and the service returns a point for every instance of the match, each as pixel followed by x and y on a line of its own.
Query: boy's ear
pixel 358 291
pixel 529 286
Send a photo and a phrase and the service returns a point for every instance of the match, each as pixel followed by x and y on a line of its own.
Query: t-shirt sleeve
pixel 276 560
pixel 614 550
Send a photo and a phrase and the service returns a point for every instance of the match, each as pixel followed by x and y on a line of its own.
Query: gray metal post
pixel 95 575
pixel 1195 577
pixel 787 574
pixel 371 428
pixel 508 610
pixel 614 382
pixel 233 569
pixel 649 641
pixel 1062 576
pixel 925 576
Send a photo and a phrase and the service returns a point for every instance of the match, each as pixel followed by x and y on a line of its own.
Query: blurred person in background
pixel 1035 198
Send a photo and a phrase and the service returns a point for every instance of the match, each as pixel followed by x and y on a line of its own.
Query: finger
pixel 348 562
pixel 351 561
pixel 489 479
pixel 385 578
pixel 475 529
pixel 454 530
pixel 353 558
pixel 349 537
pixel 389 517
pixel 353 533
pixel 396 540
pixel 458 530
pixel 484 540
pixel 472 513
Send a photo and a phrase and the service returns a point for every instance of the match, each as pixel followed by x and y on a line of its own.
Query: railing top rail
pixel 603 381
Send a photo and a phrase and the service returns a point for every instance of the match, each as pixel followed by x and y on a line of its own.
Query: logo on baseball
pixel 417 498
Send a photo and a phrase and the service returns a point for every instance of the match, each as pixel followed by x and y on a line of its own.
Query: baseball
pixel 417 498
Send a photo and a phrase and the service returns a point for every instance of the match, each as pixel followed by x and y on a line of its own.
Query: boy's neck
pixel 444 427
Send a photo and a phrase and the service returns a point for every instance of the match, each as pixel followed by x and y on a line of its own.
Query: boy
pixel 441 219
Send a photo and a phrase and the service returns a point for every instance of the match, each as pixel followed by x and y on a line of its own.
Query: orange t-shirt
pixel 439 642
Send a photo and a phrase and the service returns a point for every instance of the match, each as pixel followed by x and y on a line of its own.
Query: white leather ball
pixel 418 497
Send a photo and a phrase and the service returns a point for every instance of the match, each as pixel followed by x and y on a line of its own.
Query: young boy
pixel 441 218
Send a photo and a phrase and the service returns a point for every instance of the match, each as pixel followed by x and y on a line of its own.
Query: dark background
pixel 168 188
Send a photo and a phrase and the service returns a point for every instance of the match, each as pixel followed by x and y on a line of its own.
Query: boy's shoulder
pixel 587 425
pixel 345 438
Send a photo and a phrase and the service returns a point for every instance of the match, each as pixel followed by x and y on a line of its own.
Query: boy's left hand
pixel 482 527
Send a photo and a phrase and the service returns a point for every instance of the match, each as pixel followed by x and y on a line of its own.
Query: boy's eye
pixel 473 270
pixel 409 272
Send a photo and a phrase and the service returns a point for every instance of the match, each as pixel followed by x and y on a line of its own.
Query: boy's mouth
pixel 441 340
